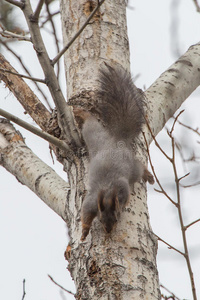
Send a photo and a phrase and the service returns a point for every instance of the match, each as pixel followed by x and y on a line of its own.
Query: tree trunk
pixel 123 264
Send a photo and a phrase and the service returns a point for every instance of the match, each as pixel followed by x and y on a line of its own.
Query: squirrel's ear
pixel 115 203
pixel 101 206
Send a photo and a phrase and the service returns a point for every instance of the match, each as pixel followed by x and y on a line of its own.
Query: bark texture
pixel 29 170
pixel 171 89
pixel 121 265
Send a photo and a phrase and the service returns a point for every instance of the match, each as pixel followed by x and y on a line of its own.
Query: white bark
pixel 104 39
pixel 172 88
pixel 121 265
pixel 20 161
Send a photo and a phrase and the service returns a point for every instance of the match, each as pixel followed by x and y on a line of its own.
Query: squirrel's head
pixel 108 209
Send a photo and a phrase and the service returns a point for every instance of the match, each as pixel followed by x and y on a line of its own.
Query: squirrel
pixel 113 168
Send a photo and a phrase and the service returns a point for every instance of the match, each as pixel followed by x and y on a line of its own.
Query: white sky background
pixel 33 238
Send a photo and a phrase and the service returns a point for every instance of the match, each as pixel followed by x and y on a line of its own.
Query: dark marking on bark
pixel 185 62
pixel 173 70
pixel 37 182
pixel 167 82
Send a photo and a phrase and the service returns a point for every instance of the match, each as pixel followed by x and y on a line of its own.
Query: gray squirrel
pixel 113 168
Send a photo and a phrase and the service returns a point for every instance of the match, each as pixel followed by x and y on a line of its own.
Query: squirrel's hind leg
pixel 88 213
pixel 147 176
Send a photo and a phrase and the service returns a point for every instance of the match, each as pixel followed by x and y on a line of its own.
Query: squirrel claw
pixel 84 234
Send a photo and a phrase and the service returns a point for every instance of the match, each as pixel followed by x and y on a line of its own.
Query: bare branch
pixel 54 61
pixel 192 223
pixel 54 32
pixel 170 246
pixel 49 138
pixel 175 120
pixel 154 138
pixel 20 4
pixel 197 5
pixel 154 173
pixel 23 76
pixel 24 291
pixel 36 14
pixel 60 286
pixel 64 111
pixel 190 185
pixel 183 229
pixel 25 96
pixel 190 128
pixel 47 19
pixel 9 34
pixel 28 72
pixel 175 297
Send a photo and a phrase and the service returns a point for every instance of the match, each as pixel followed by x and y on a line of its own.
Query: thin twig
pixel 197 5
pixel 155 141
pixel 154 173
pixel 174 296
pixel 23 76
pixel 175 120
pixel 20 4
pixel 183 229
pixel 36 14
pixel 64 111
pixel 189 127
pixel 54 61
pixel 47 19
pixel 61 286
pixel 24 291
pixel 190 185
pixel 179 179
pixel 9 34
pixel 49 138
pixel 30 102
pixel 192 223
pixel 54 34
pixel 27 71
pixel 170 246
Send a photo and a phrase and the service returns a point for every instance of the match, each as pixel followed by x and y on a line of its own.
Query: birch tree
pixel 123 265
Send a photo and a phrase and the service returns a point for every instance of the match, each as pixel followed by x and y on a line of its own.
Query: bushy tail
pixel 120 103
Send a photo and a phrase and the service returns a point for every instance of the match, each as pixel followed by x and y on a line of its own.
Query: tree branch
pixel 192 223
pixel 49 138
pixel 25 96
pixel 24 291
pixel 38 10
pixel 179 207
pixel 20 4
pixel 28 72
pixel 9 34
pixel 20 161
pixel 170 246
pixel 54 34
pixel 172 88
pixel 64 111
pixel 60 286
pixel 24 76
